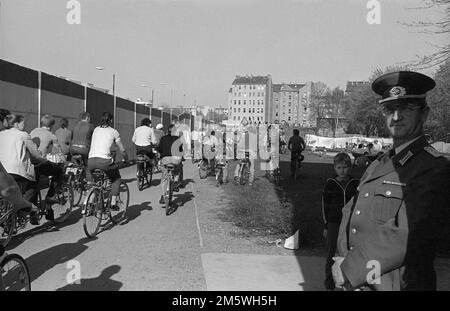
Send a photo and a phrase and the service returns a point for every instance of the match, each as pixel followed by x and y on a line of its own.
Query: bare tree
pixel 434 27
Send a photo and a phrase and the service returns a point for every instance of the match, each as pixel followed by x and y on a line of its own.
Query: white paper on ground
pixel 292 241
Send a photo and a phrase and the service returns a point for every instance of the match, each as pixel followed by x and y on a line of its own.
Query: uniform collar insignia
pixel 432 151
pixel 403 160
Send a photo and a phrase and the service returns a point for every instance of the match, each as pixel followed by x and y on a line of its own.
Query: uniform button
pixel 353 230
pixel 357 188
pixel 351 247
pixel 366 195
pixel 358 212
pixel 388 192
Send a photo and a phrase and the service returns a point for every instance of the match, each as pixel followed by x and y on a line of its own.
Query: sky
pixel 194 49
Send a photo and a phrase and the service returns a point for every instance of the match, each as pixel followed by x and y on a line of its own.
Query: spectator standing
pixel 338 190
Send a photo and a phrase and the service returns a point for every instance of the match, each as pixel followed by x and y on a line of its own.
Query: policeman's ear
pixel 425 113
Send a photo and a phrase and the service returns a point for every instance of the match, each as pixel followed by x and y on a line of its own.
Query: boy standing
pixel 337 192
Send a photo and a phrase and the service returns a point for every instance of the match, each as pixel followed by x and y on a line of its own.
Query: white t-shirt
pixel 102 140
pixel 144 136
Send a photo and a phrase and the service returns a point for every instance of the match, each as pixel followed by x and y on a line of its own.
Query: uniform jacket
pixel 395 219
pixel 334 198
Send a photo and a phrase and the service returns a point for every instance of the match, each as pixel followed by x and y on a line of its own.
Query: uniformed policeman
pixel 389 231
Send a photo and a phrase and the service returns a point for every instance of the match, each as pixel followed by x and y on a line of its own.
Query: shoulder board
pixel 433 151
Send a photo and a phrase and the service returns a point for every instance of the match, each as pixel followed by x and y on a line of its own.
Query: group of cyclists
pixel 24 158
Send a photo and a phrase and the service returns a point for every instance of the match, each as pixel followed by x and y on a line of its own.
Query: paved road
pixel 150 251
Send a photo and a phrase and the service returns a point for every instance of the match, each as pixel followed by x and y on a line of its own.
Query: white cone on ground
pixel 292 241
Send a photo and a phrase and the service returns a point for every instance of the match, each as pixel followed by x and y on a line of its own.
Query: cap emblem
pixel 397 91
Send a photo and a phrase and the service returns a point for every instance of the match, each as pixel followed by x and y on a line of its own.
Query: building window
pixel 234 118
pixel 239 118
pixel 235 101
pixel 244 102
pixel 289 110
pixel 276 114
pixel 290 97
pixel 239 87
pixel 289 118
pixel 244 110
pixel 239 109
pixel 234 109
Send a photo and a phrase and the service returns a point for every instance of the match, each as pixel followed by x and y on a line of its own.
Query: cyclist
pixel 171 151
pixel 81 137
pixel 64 136
pixel 47 143
pixel 296 145
pixel 3 122
pixel 210 143
pixel 159 133
pixel 282 141
pixel 144 138
pixel 100 156
pixel 17 155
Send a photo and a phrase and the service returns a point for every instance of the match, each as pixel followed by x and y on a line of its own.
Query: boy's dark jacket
pixel 334 198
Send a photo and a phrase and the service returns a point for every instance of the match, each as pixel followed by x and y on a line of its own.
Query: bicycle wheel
pixel 141 179
pixel 79 189
pixel 63 208
pixel 149 176
pixel 203 169
pixel 123 199
pixel 7 223
pixel 168 196
pixel 244 174
pixel 93 213
pixel 219 176
pixel 15 275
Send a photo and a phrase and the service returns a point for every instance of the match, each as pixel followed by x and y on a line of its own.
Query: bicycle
pixel 205 168
pixel 76 178
pixel 244 170
pixel 97 206
pixel 297 158
pixel 220 165
pixel 145 168
pixel 11 223
pixel 172 171
pixel 14 272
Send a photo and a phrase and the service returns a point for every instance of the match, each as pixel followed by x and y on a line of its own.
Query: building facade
pixel 250 99
pixel 291 103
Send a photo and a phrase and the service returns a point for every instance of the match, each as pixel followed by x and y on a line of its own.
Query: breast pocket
pixel 387 201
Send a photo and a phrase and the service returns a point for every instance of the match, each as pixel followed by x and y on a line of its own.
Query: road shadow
pixel 134 211
pixel 101 283
pixel 45 260
pixel 46 227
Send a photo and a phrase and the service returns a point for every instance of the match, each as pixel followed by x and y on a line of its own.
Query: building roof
pixel 287 87
pixel 239 80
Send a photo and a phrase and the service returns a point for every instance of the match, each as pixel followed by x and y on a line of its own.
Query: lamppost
pixel 114 93
pixel 150 94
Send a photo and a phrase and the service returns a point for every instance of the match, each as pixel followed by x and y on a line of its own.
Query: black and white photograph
pixel 224 153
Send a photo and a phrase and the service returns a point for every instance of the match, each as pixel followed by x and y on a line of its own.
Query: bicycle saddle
pixel 97 172
pixel 142 157
pixel 169 166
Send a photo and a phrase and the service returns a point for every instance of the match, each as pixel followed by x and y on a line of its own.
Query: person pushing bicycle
pixel 296 145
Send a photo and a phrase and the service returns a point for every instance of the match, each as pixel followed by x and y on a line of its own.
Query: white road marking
pixel 196 218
